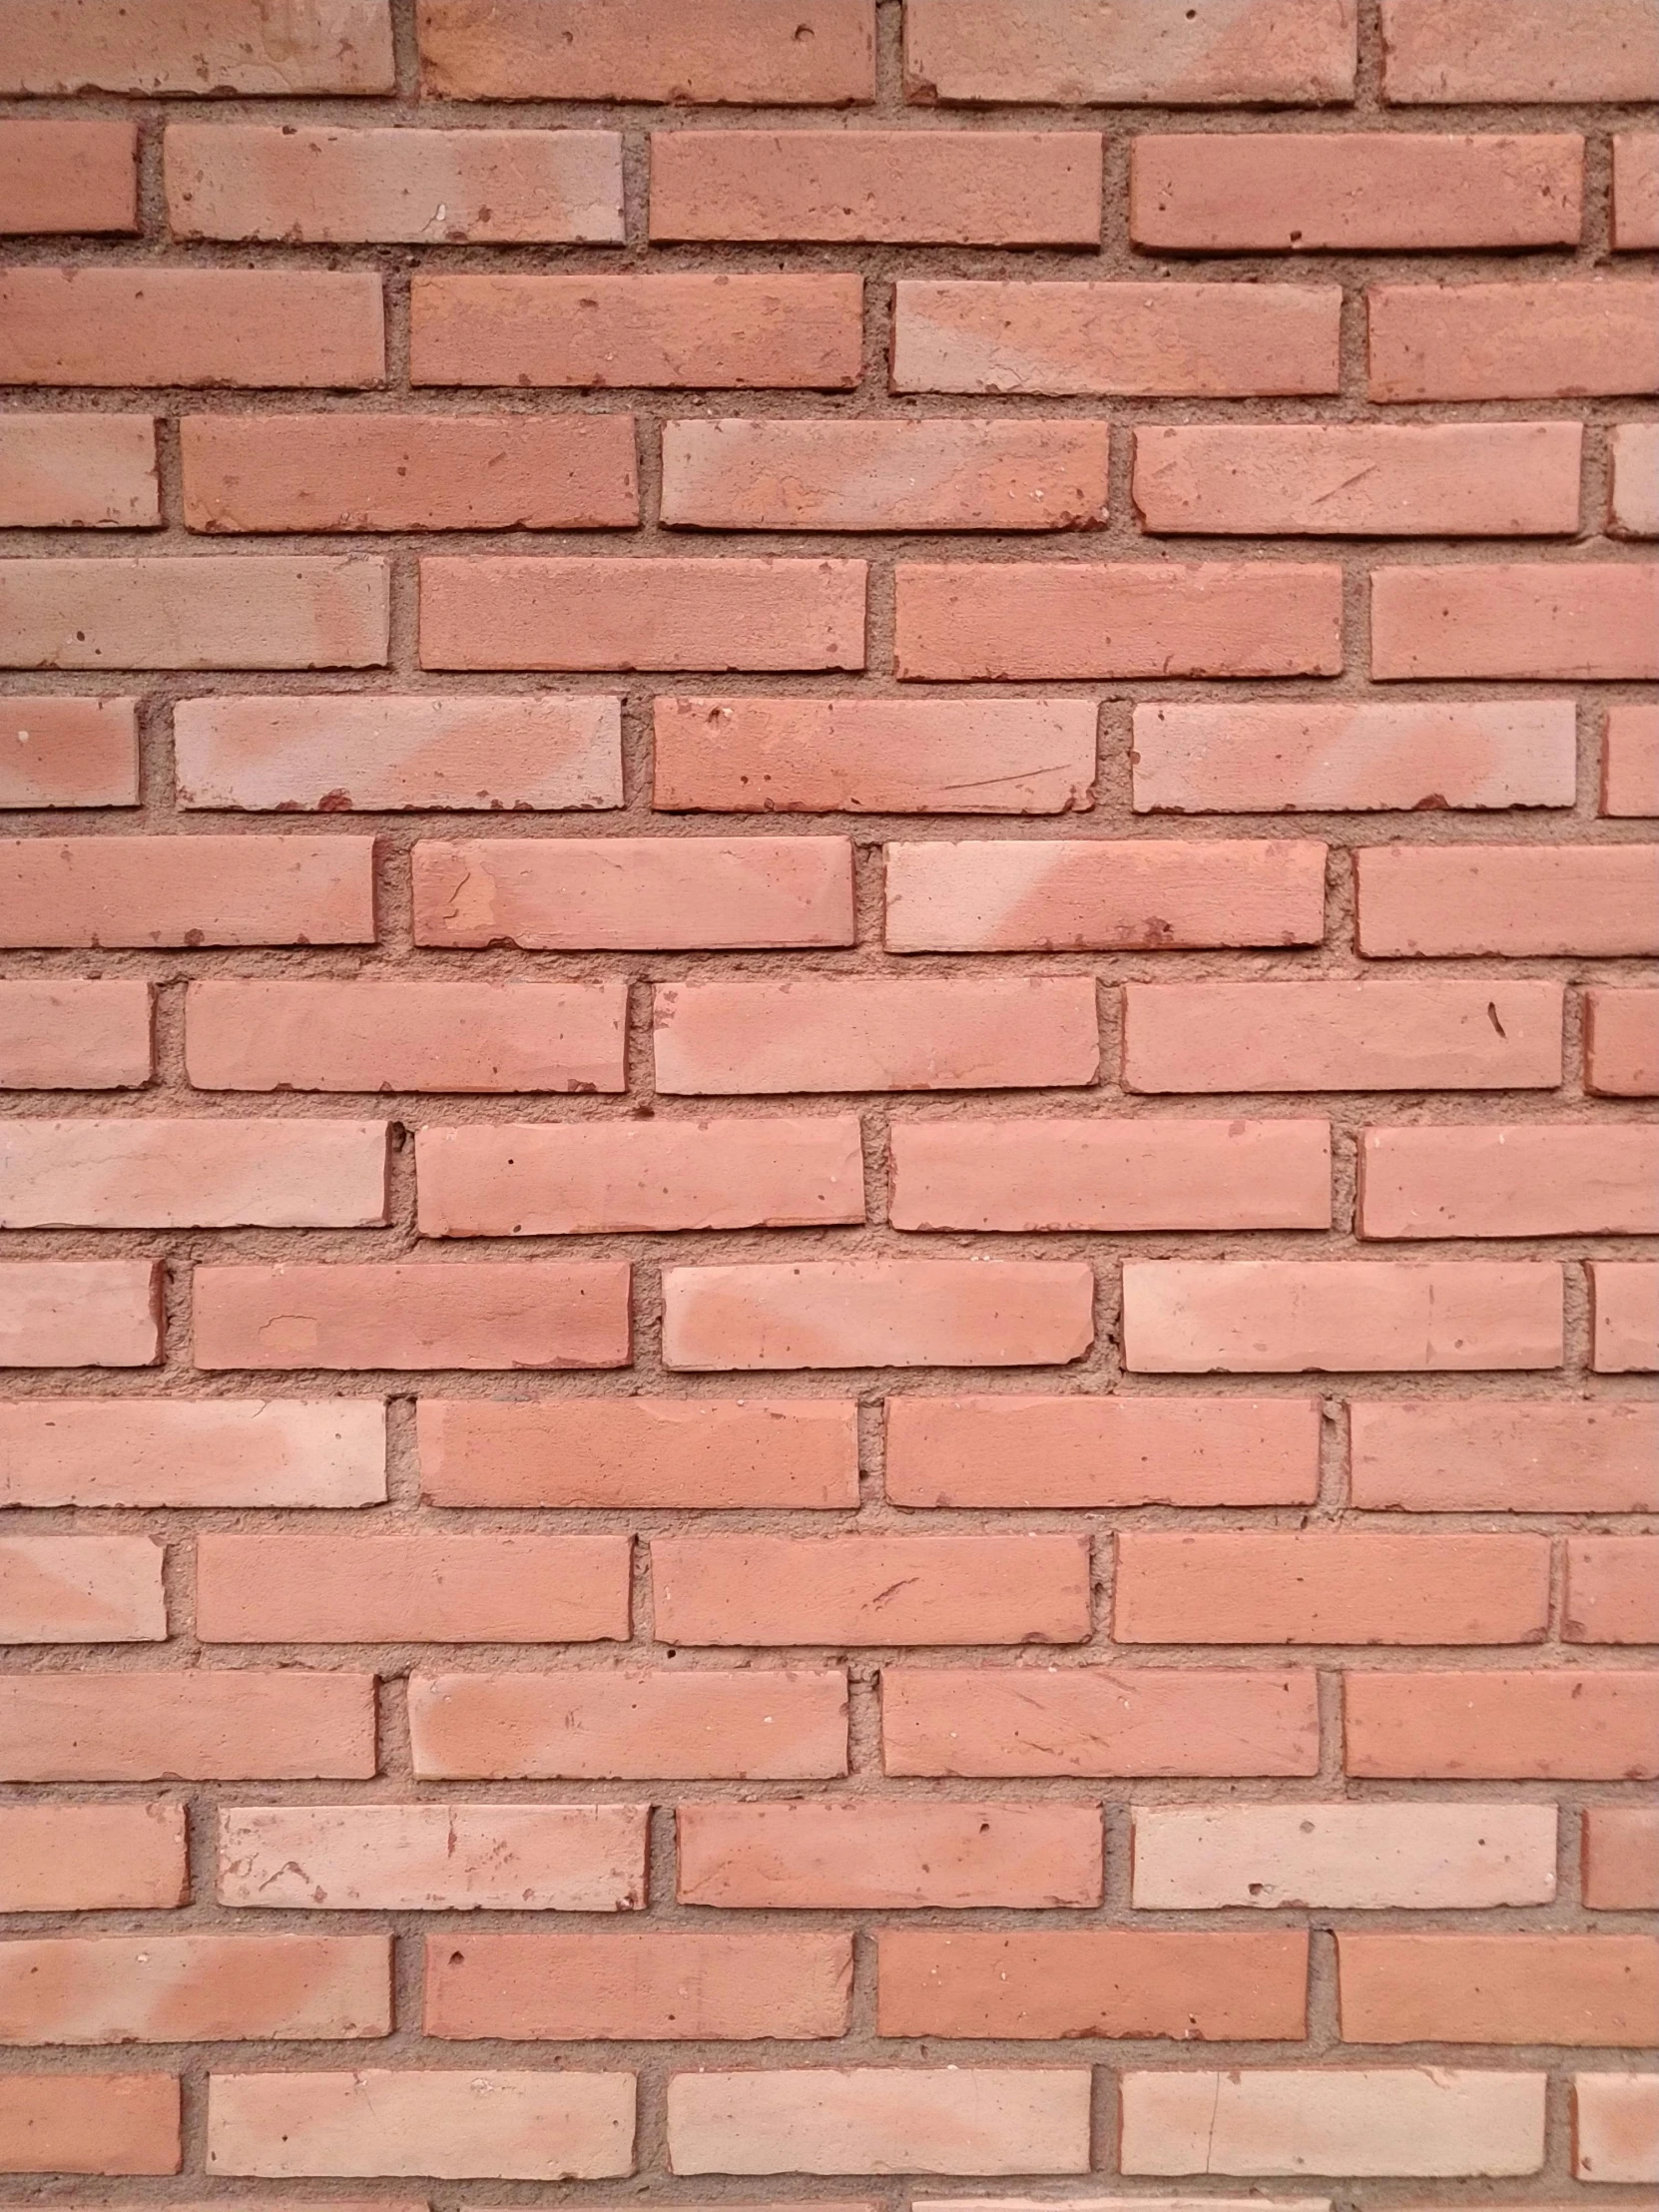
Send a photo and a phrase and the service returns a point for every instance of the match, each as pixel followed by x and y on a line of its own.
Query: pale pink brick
pixel 1635 189
pixel 1522 1455
pixel 194 1989
pixel 78 471
pixel 192 1724
pixel 1624 1315
pixel 90 1858
pixel 90 2124
pixel 179 45
pixel 102 1452
pixel 71 1036
pixel 1612 1591
pixel 1449 52
pixel 79 1314
pixel 1531 1179
pixel 1592 620
pixel 1630 760
pixel 211 611
pixel 1620 1858
pixel 1517 900
pixel 68 176
pixel 1563 339
pixel 1615 2127
pixel 1545 1724
pixel 193 1174
pixel 63 752
pixel 1635 454
pixel 1621 1043
pixel 81 1590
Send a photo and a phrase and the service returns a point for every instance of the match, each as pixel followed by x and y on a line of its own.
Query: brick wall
pixel 830 1293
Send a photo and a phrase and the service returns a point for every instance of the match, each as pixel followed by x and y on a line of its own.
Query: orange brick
pixel 1615 2127
pixel 1620 1856
pixel 194 1989
pixel 1592 619
pixel 1481 1455
pixel 1630 760
pixel 192 1174
pixel 1612 1591
pixel 102 892
pixel 1525 1180
pixel 1442 1989
pixel 67 175
pixel 193 1725
pixel 1635 501
pixel 489 1314
pixel 1621 1043
pixel 1548 1725
pixel 81 1590
pixel 1635 189
pixel 78 471
pixel 79 1314
pixel 676 332
pixel 193 1453
pixel 123 2123
pixel 63 752
pixel 73 1036
pixel 215 611
pixel 1454 51
pixel 1427 901
pixel 418 188
pixel 92 1857
pixel 323 46
pixel 1560 340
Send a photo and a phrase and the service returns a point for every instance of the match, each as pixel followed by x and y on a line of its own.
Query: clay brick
pixel 1296 53
pixel 214 611
pixel 759 1724
pixel 1285 1316
pixel 1485 1455
pixel 193 1453
pixel 253 1034
pixel 68 176
pixel 195 1174
pixel 877 1314
pixel 803 1855
pixel 1344 2121
pixel 736 52
pixel 1418 1857
pixel 1367 479
pixel 406 1314
pixel 874 756
pixel 530 1179
pixel 1546 1725
pixel 1612 1591
pixel 79 1314
pixel 81 1590
pixel 932 474
pixel 1480 1989
pixel 1449 52
pixel 63 752
pixel 889 1590
pixel 1097 1721
pixel 231 46
pixel 1521 1180
pixel 194 1989
pixel 434 1858
pixel 1635 504
pixel 1092 1450
pixel 421 1588
pixel 174 891
pixel 880 2120
pixel 73 1036
pixel 1268 756
pixel 1352 190
pixel 257 328
pixel 920 188
pixel 677 1985
pixel 1560 339
pixel 1630 760
pixel 1615 2127
pixel 750 1034
pixel 1428 901
pixel 1621 1043
pixel 1635 189
pixel 1443 1034
pixel 123 2124
pixel 674 332
pixel 539 2126
pixel 639 1451
pixel 196 1725
pixel 1592 620
pixel 78 471
pixel 961 620
pixel 1620 1858
pixel 417 188
pixel 619 894
pixel 1214 340
pixel 92 1857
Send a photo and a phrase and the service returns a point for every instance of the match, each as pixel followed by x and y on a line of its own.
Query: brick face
pixel 829 1062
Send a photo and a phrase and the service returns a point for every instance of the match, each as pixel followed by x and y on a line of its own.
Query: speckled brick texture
pixel 828 1064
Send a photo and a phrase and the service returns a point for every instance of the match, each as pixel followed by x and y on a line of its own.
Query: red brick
pixel 677 1985
pixel 418 1588
pixel 1282 191
pixel 1615 2127
pixel 190 1725
pixel 1635 189
pixel 232 45
pixel 1548 1725
pixel 249 328
pixel 194 1989
pixel 78 471
pixel 1620 1856
pixel 68 176
pixel 79 1314
pixel 1268 756
pixel 1330 1587
pixel 984 619
pixel 618 893
pixel 1530 1179
pixel 736 52
pixel 249 1034
pixel 71 1036
pixel 758 1724
pixel 214 611
pixel 1450 52
pixel 877 1314
pixel 1029 895
pixel 676 332
pixel 81 1590
pixel 890 1590
pixel 1612 1591
pixel 192 1174
pixel 1443 1034
pixel 1428 901
pixel 751 1034
pixel 874 756
pixel 1091 1450
pixel 1630 760
pixel 928 474
pixel 488 1315
pixel 1288 1316
pixel 92 1857
pixel 810 1853
pixel 64 752
pixel 1510 1989
pixel 922 188
pixel 102 892
pixel 1054 1982
pixel 1271 52
pixel 1524 1456
pixel 639 1451
pixel 1558 339
pixel 125 2123
pixel 192 1452
pixel 1592 619
pixel 1095 1721
pixel 1621 1043
pixel 419 187
pixel 1634 449
pixel 1110 1175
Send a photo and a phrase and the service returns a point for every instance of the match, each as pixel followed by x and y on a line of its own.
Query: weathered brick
pixel 92 1857
pixel 81 2123
pixel 1427 901
pixel 1635 189
pixel 1486 1989
pixel 65 751
pixel 78 471
pixel 1560 339
pixel 1630 760
pixel 196 1725
pixel 81 1590
pixel 101 892
pixel 193 1453
pixel 192 1174
pixel 194 1989
pixel 1548 1725
pixel 213 611
pixel 75 1036
pixel 1621 1043
pixel 1620 1858
pixel 1591 619
pixel 77 174
pixel 1615 2127
pixel 1455 51
pixel 1530 1179
pixel 1635 499
pixel 1525 1455
pixel 182 46
pixel 79 1314
pixel 1612 1591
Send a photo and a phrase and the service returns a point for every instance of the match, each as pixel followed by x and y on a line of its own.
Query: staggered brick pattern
pixel 831 1197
